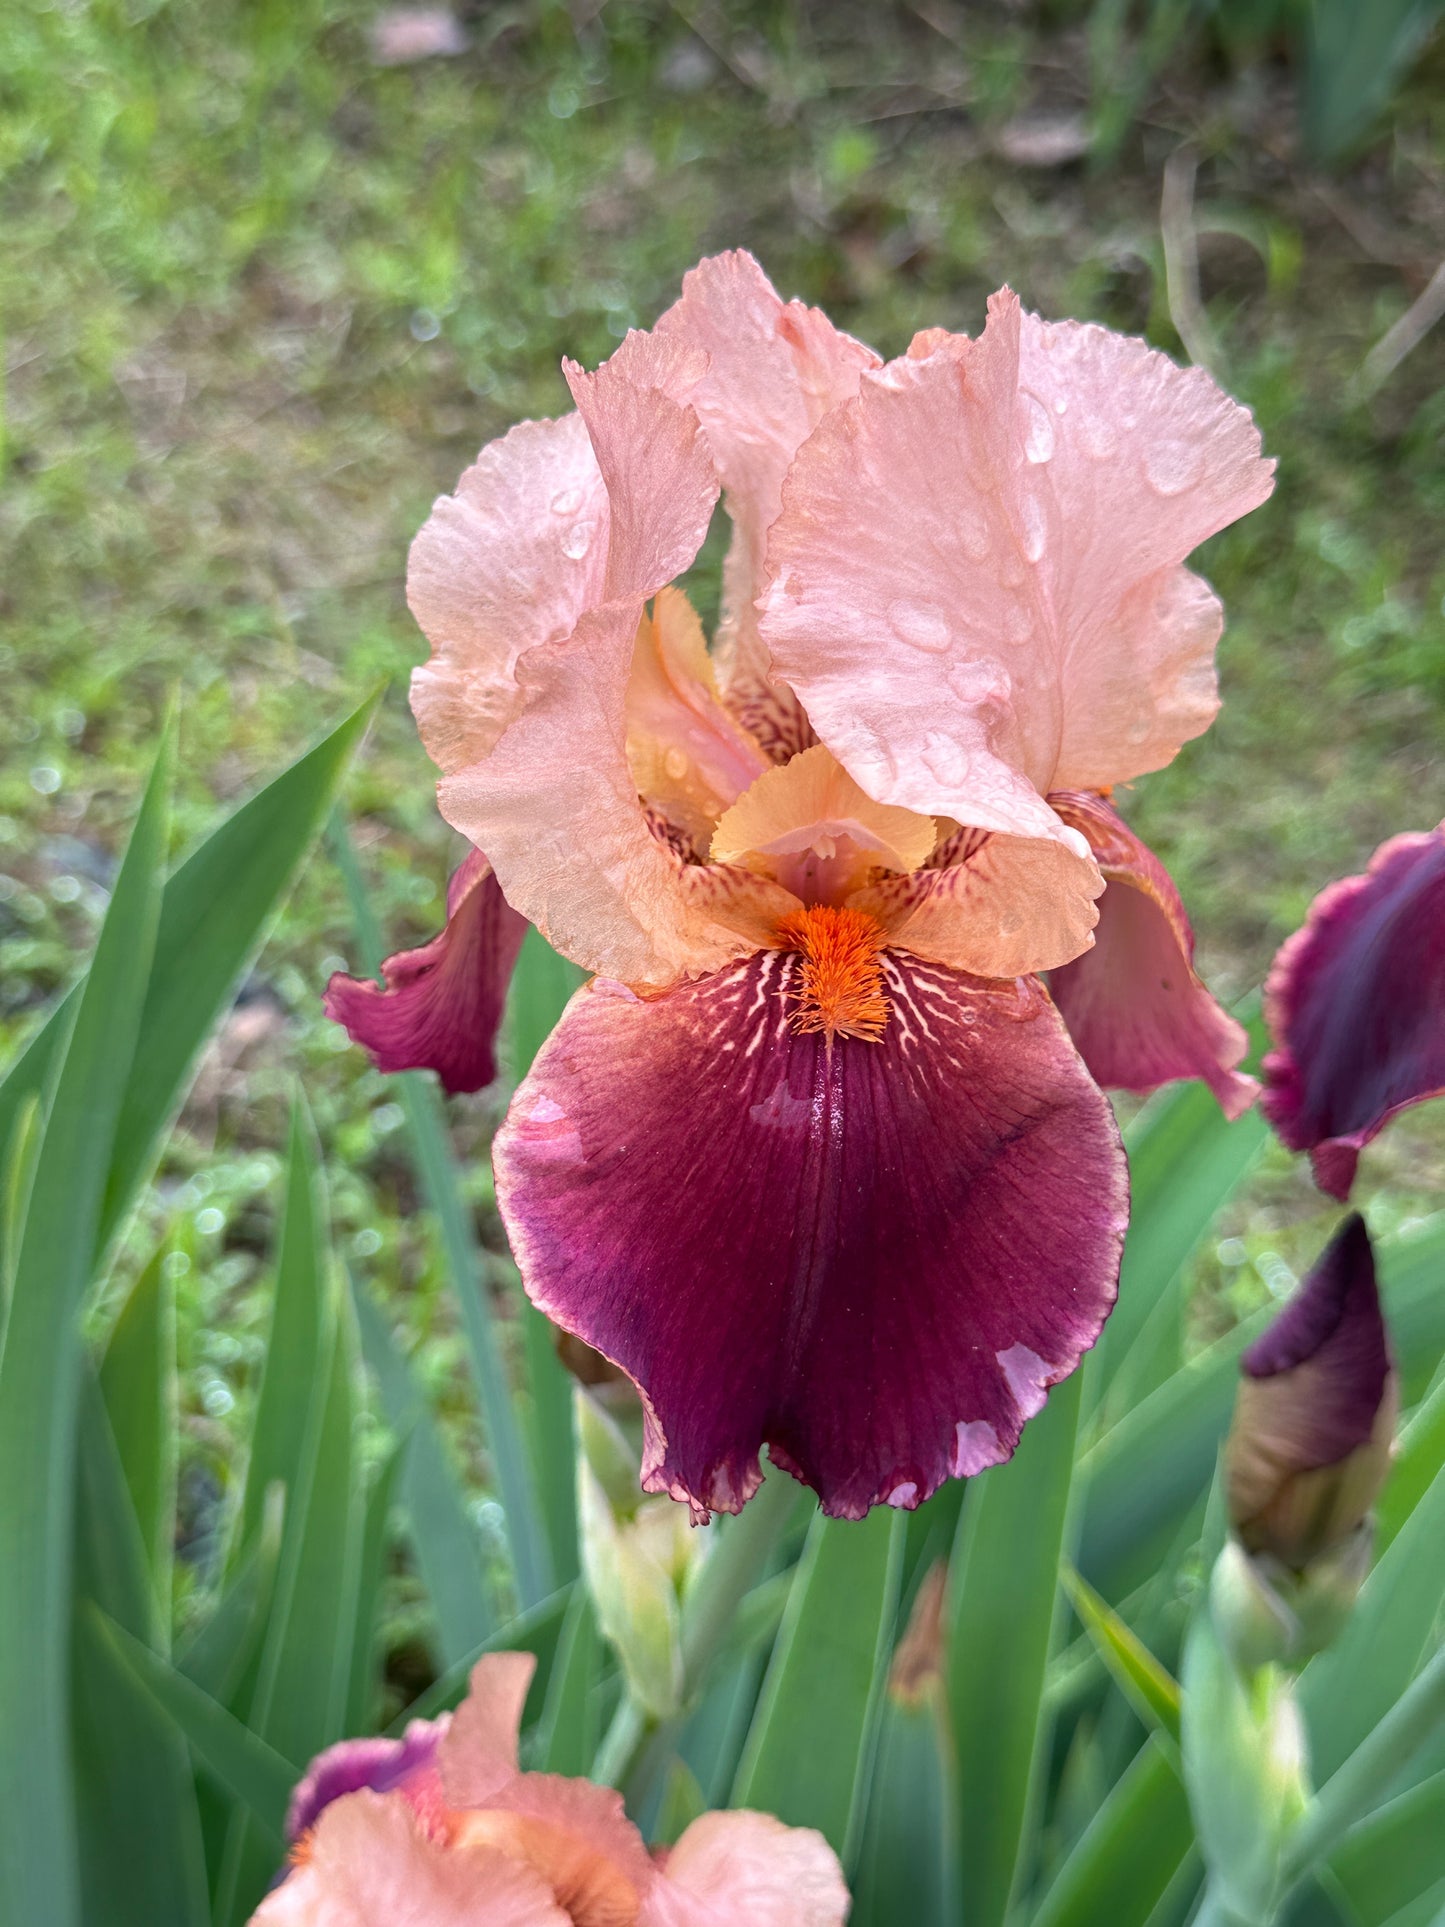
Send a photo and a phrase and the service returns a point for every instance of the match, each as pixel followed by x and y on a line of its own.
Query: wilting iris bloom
pixel 816 1158
pixel 442 1829
pixel 1356 1005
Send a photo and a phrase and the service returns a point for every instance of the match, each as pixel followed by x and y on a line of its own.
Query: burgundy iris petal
pixel 1133 1004
pixel 875 1256
pixel 1356 1004
pixel 380 1764
pixel 441 1004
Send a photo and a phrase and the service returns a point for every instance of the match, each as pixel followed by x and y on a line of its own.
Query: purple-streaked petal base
pixel 442 1004
pixel 349 1765
pixel 1355 1002
pixel 876 1258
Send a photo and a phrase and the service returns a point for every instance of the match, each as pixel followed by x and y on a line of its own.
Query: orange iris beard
pixel 840 991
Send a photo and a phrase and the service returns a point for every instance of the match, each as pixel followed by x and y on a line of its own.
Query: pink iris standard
pixel 816 1157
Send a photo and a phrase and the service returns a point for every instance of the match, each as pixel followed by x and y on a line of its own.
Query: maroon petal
pixel 874 1256
pixel 1356 1004
pixel 1133 1004
pixel 379 1763
pixel 441 1005
pixel 1317 1398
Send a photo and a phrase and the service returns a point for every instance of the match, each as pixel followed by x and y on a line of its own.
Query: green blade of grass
pixel 1003 1600
pixel 1149 1687
pixel 240 1761
pixel 441 1533
pixel 1395 1856
pixel 809 1755
pixel 215 912
pixel 1129 1855
pixel 568 1734
pixel 138 1381
pixel 361 1692
pixel 142 1858
pixel 40 1378
pixel 531 1559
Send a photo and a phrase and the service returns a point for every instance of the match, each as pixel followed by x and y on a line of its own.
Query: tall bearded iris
pixel 814 1157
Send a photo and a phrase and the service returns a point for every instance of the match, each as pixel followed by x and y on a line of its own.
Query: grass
pixel 263 299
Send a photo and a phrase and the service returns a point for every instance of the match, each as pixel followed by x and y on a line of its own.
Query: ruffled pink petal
pixel 748 1870
pixel 555 803
pixel 876 1256
pixel 974 581
pixel 372 1864
pixel 775 369
pixel 996 906
pixel 442 1004
pixel 379 1763
pixel 511 560
pixel 1354 1002
pixel 479 1757
pixel 1133 1004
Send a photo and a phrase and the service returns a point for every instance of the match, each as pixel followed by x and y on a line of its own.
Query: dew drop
pixel 973 536
pixel 1061 404
pixel 1138 729
pixel 1035 530
pixel 568 502
pixel 921 625
pixel 1172 467
pixel 577 541
pixel 1038 430
pixel 945 760
pixel 675 763
pixel 967 1014
pixel 1017 622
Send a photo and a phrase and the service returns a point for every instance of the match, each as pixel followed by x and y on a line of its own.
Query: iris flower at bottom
pixel 815 1157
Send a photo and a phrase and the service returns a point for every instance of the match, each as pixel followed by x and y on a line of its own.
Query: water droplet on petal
pixel 1138 729
pixel 967 1014
pixel 1018 624
pixel 921 625
pixel 1061 404
pixel 1035 529
pixel 973 536
pixel 1037 429
pixel 577 541
pixel 568 502
pixel 1172 467
pixel 675 763
pixel 945 760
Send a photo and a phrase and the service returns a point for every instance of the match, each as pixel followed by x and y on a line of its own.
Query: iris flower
pixel 816 1157
pixel 442 1829
pixel 1356 1005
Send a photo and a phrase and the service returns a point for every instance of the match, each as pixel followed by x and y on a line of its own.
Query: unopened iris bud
pixel 1314 1422
pixel 639 1553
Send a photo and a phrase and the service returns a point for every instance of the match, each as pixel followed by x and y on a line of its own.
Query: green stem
pixel 1357 1786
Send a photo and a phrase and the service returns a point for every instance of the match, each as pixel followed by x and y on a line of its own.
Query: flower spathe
pixel 815 1158
pixel 443 1829
pixel 1355 1002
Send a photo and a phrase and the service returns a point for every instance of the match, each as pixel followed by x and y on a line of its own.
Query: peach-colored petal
pixel 807 823
pixel 509 561
pixel 555 803
pixel 478 1755
pixel 974 581
pixel 997 906
pixel 576 1838
pixel 775 369
pixel 370 1865
pixel 689 757
pixel 748 1870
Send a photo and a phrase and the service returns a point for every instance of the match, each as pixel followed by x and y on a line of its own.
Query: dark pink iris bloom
pixel 1356 1004
pixel 815 1158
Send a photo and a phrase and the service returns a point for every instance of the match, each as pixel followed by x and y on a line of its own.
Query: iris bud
pixel 638 1555
pixel 1314 1421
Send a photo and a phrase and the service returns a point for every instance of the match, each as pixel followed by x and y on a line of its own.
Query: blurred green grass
pixel 262 299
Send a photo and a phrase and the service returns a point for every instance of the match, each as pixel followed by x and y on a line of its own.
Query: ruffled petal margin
pixel 874 1257
pixel 441 1005
pixel 1355 1002
pixel 1133 1004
